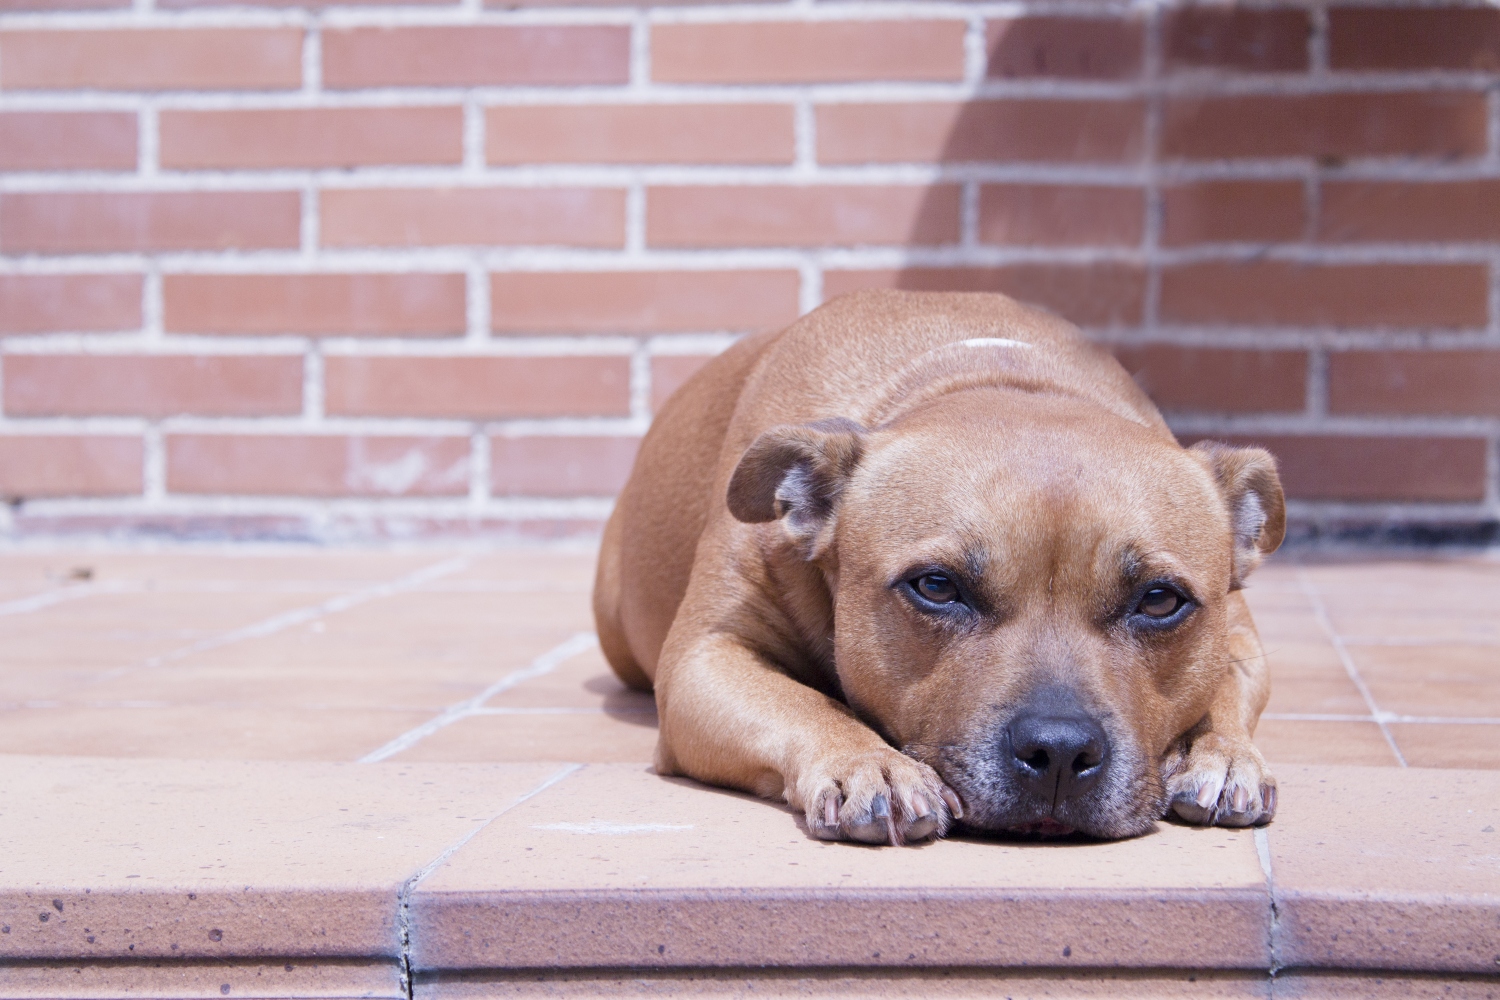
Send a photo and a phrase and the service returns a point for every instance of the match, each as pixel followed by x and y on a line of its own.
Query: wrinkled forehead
pixel 1066 489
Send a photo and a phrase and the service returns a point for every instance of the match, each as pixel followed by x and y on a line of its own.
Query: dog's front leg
pixel 1214 774
pixel 730 717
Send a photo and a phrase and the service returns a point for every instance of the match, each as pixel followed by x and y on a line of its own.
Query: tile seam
pixel 403 898
pixel 1273 903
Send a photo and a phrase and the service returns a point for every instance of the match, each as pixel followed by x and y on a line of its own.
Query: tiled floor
pixel 485 656
pixel 470 856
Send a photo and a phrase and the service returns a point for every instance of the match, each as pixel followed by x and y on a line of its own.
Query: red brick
pixel 807 51
pixel 69 303
pixel 1281 293
pixel 1369 469
pixel 60 465
pixel 315 304
pixel 519 216
pixel 1460 383
pixel 642 301
pixel 653 133
pixel 1456 211
pixel 1224 37
pixel 1414 38
pixel 1233 212
pixel 669 372
pixel 560 466
pixel 77 385
pixel 152 59
pixel 310 137
pixel 67 140
pixel 801 216
pixel 319 465
pixel 1083 48
pixel 476 56
pixel 1061 215
pixel 1089 295
pixel 1218 380
pixel 1012 130
pixel 100 222
pixel 478 387
pixel 1327 126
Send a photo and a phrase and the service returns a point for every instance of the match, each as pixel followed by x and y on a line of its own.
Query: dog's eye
pixel 1160 602
pixel 936 587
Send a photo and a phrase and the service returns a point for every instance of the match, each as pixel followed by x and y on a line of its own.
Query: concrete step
pixel 187 878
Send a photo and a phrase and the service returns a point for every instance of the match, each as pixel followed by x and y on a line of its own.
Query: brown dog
pixel 929 557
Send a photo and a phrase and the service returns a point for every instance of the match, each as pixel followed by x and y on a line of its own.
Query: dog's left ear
pixel 796 474
pixel 1251 488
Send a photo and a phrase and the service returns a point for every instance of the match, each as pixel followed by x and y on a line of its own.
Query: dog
pixel 926 559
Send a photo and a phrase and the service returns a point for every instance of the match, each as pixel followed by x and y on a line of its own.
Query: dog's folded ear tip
pixel 794 470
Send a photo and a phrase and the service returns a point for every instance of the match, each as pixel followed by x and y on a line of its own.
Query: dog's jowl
pixel 924 559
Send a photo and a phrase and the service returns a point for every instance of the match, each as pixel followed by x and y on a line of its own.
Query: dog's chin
pixel 1105 819
pixel 1053 828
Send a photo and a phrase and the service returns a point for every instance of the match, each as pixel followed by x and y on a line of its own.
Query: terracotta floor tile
pixel 1457 746
pixel 392 658
pixel 1387 867
pixel 1280 628
pixel 319 567
pixel 666 872
pixel 1316 696
pixel 154 857
pixel 225 732
pixel 553 568
pixel 785 984
pixel 123 630
pixel 1316 742
pixel 579 735
pixel 1449 681
pixel 583 681
pixel 1418 630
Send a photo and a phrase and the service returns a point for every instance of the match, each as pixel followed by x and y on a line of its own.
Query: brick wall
pixel 270 270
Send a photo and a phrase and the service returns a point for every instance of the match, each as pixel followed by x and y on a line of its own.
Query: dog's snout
pixel 1058 756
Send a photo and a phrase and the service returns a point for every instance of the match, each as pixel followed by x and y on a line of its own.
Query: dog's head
pixel 1029 592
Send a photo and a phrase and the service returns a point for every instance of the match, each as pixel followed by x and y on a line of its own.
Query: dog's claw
pixel 955 805
pixel 1222 782
pixel 878 799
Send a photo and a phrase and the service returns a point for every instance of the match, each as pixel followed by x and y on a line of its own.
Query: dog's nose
pixel 1057 756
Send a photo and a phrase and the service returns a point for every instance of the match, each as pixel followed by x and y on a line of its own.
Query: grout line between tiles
pixel 546 663
pixel 1326 624
pixel 60 594
pixel 299 616
pixel 403 899
pixel 1273 929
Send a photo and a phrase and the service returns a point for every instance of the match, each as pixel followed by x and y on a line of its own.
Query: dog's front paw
pixel 878 798
pixel 1222 782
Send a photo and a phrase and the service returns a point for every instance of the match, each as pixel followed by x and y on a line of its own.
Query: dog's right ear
pixel 796 474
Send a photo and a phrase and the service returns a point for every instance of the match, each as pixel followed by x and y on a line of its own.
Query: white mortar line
pixel 62 594
pixel 153 464
pixel 312 385
pixel 543 664
pixel 1321 614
